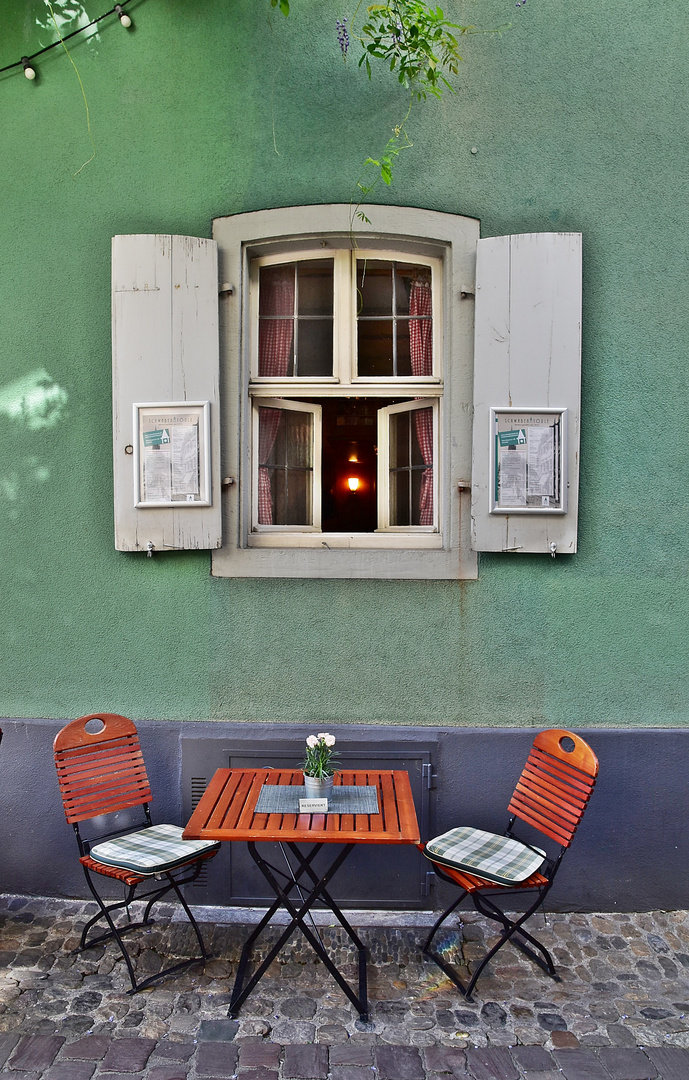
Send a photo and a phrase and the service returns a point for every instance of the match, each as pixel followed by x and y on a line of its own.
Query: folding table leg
pixel 352 935
pixel 240 992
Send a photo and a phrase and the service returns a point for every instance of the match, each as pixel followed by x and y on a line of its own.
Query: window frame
pixel 288 405
pixel 309 232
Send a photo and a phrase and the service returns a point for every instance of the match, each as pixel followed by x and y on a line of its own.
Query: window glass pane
pixel 404 366
pixel 315 347
pixel 285 471
pixel 374 287
pixel 399 499
pixel 291 499
pixel 276 321
pixel 406 275
pixel 374 347
pixel 276 291
pixel 399 440
pixel 275 348
pixel 402 290
pixel 315 287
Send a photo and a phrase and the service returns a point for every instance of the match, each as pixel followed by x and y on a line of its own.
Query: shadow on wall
pixel 32 403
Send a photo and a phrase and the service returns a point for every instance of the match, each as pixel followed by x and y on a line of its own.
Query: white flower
pixel 312 742
pixel 329 740
pixel 322 735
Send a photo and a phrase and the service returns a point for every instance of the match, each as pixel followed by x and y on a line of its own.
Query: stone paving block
pixel 580 1065
pixel 491 1063
pixel 265 1054
pixel 672 1062
pixel 551 1074
pixel 89 1048
pixel 563 1039
pixel 71 1070
pixel 351 1072
pixel 626 1064
pixel 36 1052
pixel 128 1055
pixel 117 1076
pixel 533 1059
pixel 351 1054
pixel 445 1059
pixel 216 1059
pixel 217 1030
pixel 305 1062
pixel 7 1045
pixel 174 1051
pixel 398 1063
pixel 261 1073
pixel 167 1072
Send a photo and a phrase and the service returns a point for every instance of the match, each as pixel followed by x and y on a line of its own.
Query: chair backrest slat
pixel 100 772
pixel 556 784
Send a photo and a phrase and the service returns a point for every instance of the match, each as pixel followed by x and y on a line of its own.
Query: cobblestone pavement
pixel 620 1010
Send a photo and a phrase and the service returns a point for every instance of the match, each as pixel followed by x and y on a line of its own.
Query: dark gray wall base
pixel 630 853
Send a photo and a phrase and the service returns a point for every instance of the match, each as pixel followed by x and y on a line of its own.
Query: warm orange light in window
pixel 353 483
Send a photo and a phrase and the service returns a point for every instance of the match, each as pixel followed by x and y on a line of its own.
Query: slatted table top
pixel 226 810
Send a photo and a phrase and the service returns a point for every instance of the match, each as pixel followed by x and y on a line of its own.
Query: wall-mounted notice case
pixel 528 461
pixel 172 454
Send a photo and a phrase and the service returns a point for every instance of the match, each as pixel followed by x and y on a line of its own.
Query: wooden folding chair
pixel 551 796
pixel 101 771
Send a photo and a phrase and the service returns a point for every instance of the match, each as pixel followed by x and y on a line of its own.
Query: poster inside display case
pixel 529 452
pixel 172 454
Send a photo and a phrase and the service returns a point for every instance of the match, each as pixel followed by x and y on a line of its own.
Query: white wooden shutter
pixel 164 349
pixel 527 355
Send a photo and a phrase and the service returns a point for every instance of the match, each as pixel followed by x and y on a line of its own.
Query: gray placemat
pixel 284 799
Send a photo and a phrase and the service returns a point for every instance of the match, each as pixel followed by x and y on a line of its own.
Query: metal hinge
pixel 428 775
pixel 428 883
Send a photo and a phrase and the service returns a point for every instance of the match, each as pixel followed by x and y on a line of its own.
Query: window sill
pixel 347 541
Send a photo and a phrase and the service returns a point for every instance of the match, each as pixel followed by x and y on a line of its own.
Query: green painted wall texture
pixel 578 113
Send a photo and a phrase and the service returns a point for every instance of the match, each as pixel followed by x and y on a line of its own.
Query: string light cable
pixel 25 61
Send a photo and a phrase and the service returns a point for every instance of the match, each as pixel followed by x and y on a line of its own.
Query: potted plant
pixel 319 765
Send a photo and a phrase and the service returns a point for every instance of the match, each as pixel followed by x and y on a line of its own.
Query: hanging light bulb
pixel 353 483
pixel 28 70
pixel 122 16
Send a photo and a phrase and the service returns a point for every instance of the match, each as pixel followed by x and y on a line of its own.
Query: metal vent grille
pixel 198 786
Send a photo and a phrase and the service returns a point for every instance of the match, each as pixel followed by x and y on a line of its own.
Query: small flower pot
pixel 318 789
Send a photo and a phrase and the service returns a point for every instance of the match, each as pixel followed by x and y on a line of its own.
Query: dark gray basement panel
pixel 374 876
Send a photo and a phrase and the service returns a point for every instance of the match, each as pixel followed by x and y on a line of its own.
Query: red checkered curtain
pixel 275 336
pixel 268 424
pixel 276 321
pixel 421 346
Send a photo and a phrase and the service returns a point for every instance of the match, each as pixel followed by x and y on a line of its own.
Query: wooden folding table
pixel 226 811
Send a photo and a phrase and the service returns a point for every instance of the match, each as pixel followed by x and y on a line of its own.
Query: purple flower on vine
pixel 343 35
pixel 397 38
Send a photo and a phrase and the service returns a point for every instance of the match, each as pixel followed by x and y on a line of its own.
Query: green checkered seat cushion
pixel 151 851
pixel 495 858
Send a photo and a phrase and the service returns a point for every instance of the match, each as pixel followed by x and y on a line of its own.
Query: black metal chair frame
pixel 551 795
pixel 152 895
pixel 511 927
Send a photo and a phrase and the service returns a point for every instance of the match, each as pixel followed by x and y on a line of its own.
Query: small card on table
pixel 313 806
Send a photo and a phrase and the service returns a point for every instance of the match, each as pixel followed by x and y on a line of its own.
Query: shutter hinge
pixel 428 883
pixel 428 775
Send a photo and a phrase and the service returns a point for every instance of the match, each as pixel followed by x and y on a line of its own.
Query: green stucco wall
pixel 578 114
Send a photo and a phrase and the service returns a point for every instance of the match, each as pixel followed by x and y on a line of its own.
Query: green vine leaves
pixel 420 47
pixel 415 40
